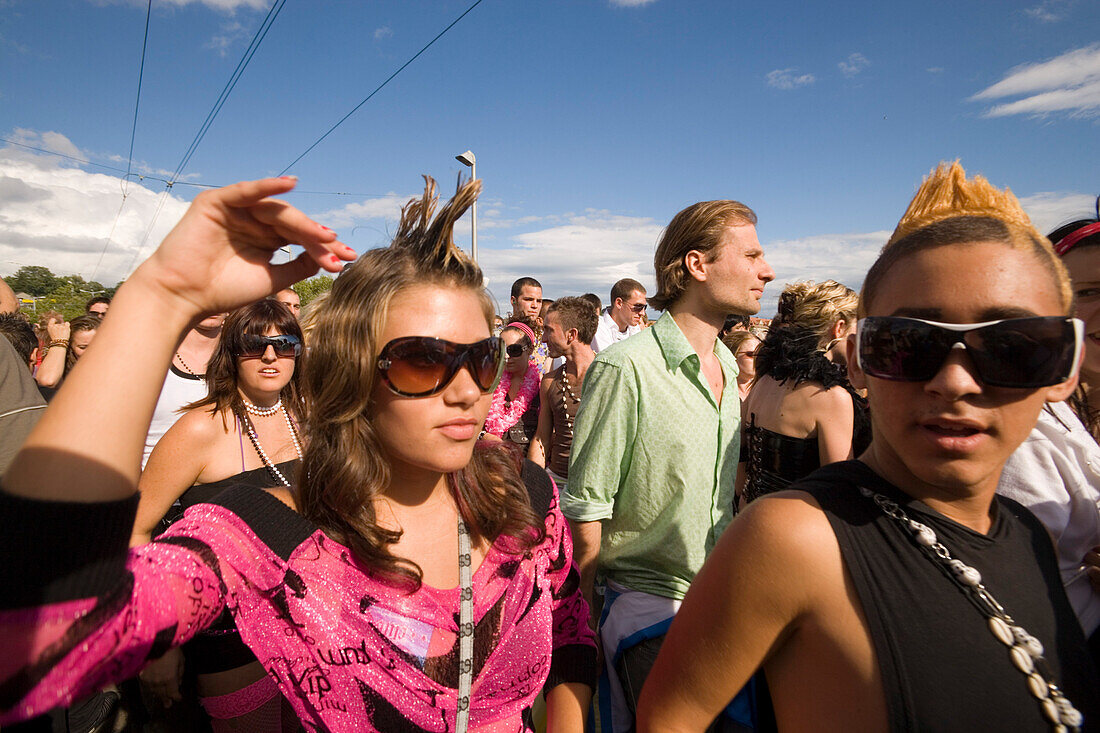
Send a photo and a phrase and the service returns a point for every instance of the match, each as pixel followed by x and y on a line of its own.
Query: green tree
pixel 33 279
pixel 309 289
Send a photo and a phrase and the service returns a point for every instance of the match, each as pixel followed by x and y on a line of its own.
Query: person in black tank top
pixel 897 591
pixel 243 433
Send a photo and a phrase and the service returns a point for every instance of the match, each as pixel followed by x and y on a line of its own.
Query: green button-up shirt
pixel 654 458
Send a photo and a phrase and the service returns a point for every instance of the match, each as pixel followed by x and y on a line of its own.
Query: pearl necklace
pixel 1025 651
pixel 251 430
pixel 262 411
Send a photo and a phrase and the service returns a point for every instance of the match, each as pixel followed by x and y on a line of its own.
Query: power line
pixel 257 38
pixel 61 155
pixel 137 102
pixel 379 87
pixel 133 134
pixel 196 184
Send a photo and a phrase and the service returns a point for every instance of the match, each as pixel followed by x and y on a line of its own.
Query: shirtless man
pixel 567 331
pixel 826 587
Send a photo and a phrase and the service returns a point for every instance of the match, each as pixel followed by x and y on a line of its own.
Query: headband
pixel 1066 243
pixel 526 329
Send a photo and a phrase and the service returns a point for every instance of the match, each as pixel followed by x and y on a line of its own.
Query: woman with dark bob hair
pixel 244 432
pixel 409 579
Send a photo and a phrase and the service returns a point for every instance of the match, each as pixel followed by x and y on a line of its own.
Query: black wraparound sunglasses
pixel 1023 353
pixel 285 345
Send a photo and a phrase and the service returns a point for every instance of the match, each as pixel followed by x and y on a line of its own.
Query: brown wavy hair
pixel 344 465
pixel 221 373
pixel 78 324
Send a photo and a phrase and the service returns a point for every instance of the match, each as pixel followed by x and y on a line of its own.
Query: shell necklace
pixel 567 389
pixel 1025 650
pixel 255 439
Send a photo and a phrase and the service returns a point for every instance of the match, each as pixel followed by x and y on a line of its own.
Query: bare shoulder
pixel 816 394
pixel 284 495
pixel 199 425
pixel 791 543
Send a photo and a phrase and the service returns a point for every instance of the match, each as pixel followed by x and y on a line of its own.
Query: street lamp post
pixel 468 159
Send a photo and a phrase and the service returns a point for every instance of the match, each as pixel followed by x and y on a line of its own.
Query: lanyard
pixel 465 629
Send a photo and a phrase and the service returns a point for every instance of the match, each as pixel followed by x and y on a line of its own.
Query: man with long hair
pixel 656 443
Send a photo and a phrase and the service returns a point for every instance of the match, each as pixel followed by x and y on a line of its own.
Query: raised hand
pixel 218 257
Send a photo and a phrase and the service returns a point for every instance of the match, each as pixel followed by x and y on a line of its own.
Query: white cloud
pixel 1067 83
pixel 587 254
pixel 230 34
pixel 841 257
pixel 856 63
pixel 631 3
pixel 55 214
pixel 1049 210
pixel 934 69
pixel 225 6
pixel 383 32
pixel 788 79
pixel 1049 11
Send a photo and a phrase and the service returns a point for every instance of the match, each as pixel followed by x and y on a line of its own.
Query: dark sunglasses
pixel 253 347
pixel 419 366
pixel 1024 353
pixel 638 307
pixel 516 349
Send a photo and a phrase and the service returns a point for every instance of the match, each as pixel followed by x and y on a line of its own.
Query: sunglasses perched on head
pixel 1025 353
pixel 285 345
pixel 419 366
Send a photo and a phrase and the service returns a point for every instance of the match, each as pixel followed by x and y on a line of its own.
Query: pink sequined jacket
pixel 350 653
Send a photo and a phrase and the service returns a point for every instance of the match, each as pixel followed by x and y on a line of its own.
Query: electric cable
pixel 133 133
pixel 196 184
pixel 254 44
pixel 379 87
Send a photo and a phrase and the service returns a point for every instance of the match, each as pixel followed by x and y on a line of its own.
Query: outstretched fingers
pixel 294 227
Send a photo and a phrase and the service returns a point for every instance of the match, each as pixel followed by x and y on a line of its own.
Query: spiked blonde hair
pixel 948 209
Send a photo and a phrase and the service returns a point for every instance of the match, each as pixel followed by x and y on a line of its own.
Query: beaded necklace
pixel 255 439
pixel 185 367
pixel 567 389
pixel 262 411
pixel 1025 651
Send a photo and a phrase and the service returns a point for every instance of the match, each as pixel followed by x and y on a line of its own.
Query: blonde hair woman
pixel 801 412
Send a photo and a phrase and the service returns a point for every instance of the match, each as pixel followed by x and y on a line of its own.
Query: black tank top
pixel 942 669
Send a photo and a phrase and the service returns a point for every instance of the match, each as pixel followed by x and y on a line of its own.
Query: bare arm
pixel 52 367
pixel 736 614
pixel 835 418
pixel 540 444
pixel 8 301
pixel 173 467
pixel 586 548
pixel 215 259
pixel 567 707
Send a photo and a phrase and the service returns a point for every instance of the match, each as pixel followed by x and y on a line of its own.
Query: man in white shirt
pixel 623 316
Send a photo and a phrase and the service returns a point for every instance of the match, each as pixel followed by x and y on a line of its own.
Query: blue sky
pixel 593 122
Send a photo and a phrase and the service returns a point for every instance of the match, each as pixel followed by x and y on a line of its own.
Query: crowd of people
pixel 393 509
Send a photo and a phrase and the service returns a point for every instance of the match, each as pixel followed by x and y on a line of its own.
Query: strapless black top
pixel 775 461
